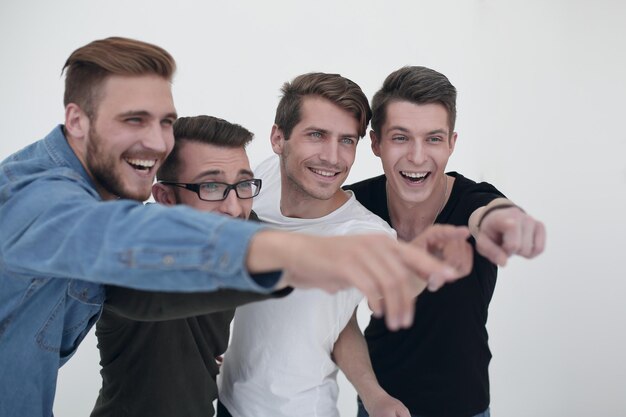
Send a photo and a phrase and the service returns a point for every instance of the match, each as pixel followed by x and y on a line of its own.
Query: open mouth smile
pixel 324 173
pixel 415 177
pixel 143 165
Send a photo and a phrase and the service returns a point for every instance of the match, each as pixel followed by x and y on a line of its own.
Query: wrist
pixel 490 209
pixel 371 397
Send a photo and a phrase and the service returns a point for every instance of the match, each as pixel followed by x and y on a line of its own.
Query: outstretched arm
pixel 383 269
pixel 156 306
pixel 502 229
pixel 449 244
pixel 351 355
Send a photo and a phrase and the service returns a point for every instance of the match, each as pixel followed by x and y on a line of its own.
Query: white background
pixel 541 106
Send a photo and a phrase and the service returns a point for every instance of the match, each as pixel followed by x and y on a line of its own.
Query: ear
pixel 76 122
pixel 452 142
pixel 277 138
pixel 375 143
pixel 163 194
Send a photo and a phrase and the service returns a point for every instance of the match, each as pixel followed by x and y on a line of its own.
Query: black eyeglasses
pixel 218 191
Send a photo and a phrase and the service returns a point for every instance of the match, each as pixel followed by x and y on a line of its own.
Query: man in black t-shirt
pixel 160 351
pixel 439 366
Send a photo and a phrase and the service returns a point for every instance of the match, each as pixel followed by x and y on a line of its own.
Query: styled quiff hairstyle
pixel 88 67
pixel 339 90
pixel 202 129
pixel 417 85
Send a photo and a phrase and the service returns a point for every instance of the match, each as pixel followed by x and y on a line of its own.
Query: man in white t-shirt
pixel 279 362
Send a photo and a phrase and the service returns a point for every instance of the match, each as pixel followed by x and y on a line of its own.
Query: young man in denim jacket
pixel 72 220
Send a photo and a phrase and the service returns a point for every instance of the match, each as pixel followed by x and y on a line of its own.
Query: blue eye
pixel 212 187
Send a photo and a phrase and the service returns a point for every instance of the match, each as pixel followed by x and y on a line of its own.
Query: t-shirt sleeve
pixel 475 195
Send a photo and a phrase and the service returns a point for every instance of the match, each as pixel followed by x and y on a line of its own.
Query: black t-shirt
pixel 158 349
pixel 164 367
pixel 439 366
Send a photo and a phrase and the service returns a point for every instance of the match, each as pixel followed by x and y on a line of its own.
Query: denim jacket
pixel 60 243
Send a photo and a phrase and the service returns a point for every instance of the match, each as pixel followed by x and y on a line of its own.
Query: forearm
pixel 477 215
pixel 156 306
pixel 272 250
pixel 124 243
pixel 351 355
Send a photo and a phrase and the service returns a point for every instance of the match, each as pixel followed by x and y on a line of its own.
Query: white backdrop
pixel 541 89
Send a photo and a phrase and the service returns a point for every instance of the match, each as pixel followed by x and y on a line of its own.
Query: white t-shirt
pixel 279 359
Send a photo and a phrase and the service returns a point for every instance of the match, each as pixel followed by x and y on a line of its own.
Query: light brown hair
pixel 88 67
pixel 339 90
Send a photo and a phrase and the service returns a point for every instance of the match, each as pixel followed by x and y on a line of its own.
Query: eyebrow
pixel 400 128
pixel 315 129
pixel 438 132
pixel 215 172
pixel 405 130
pixel 144 113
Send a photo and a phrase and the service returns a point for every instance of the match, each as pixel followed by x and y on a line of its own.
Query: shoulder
pixel 371 193
pixel 463 184
pixel 369 186
pixel 358 219
pixel 467 196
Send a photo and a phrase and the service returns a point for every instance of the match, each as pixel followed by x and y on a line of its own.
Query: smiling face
pixel 202 162
pixel 414 146
pixel 316 159
pixel 130 136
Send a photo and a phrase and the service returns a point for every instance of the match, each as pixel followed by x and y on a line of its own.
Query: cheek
pixel 169 141
pixel 190 199
pixel 349 155
pixel 389 157
pixel 442 156
pixel 246 206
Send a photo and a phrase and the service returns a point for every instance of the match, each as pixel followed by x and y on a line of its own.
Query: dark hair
pixel 88 67
pixel 202 129
pixel 418 85
pixel 339 90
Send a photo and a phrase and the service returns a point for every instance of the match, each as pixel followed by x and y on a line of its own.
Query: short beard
pixel 103 172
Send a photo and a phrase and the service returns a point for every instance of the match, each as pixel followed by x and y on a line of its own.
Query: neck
pixel 298 204
pixel 410 219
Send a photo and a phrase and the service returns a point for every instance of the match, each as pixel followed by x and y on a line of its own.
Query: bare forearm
pixel 382 268
pixel 351 356
pixel 477 215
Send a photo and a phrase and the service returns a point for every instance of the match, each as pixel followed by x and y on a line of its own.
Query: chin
pixel 138 195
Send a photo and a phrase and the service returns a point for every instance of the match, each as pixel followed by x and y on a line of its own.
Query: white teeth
pixel 145 163
pixel 323 173
pixel 416 175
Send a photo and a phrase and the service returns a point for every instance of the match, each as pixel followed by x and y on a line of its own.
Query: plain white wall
pixel 541 103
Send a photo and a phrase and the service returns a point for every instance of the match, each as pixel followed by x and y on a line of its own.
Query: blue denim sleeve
pixel 56 226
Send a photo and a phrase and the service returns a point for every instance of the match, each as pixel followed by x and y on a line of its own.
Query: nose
pixel 330 152
pixel 416 153
pixel 231 205
pixel 158 138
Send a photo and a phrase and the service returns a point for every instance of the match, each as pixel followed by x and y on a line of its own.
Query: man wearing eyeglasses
pixel 157 354
pixel 72 221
